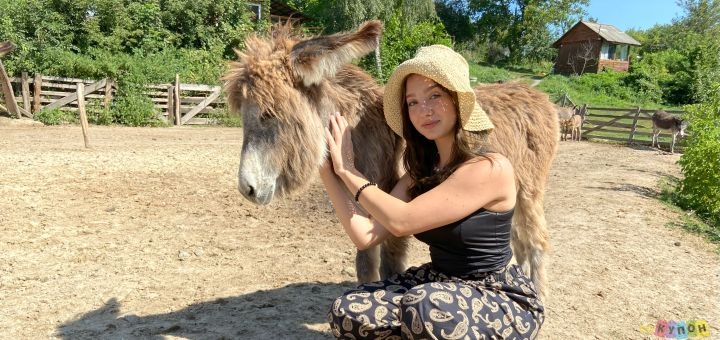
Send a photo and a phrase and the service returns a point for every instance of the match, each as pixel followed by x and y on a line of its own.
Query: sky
pixel 638 14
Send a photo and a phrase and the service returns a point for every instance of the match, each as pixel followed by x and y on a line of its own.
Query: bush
pixel 226 119
pixel 699 190
pixel 135 109
pixel 609 83
pixel 56 117
pixel 97 114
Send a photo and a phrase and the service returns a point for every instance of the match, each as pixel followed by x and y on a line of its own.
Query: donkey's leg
pixel 531 237
pixel 672 146
pixel 367 263
pixel 656 139
pixel 393 257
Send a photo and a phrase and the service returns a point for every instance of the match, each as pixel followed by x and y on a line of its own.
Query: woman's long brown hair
pixel 421 155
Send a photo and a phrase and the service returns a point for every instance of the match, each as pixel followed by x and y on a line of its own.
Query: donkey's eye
pixel 265 116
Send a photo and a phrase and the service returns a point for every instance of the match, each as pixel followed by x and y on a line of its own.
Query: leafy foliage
pixel 132 42
pixel 400 43
pixel 524 27
pixel 679 62
pixel 56 117
pixel 700 188
pixel 342 15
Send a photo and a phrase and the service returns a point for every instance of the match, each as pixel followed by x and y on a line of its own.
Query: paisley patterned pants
pixel 422 303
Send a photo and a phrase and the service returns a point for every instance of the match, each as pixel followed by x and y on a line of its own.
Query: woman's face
pixel 431 108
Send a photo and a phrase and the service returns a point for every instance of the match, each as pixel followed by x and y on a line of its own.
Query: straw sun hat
pixel 447 68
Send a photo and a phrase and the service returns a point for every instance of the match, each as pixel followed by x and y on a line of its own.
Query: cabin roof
pixel 607 32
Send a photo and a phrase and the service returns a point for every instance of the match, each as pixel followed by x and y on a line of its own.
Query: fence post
pixel 7 92
pixel 25 88
pixel 37 90
pixel 634 126
pixel 171 105
pixel 107 97
pixel 177 100
pixel 83 114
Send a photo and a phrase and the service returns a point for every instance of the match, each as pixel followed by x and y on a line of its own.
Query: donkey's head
pixel 683 127
pixel 284 88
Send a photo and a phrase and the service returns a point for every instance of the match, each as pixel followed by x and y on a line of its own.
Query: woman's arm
pixel 363 230
pixel 479 183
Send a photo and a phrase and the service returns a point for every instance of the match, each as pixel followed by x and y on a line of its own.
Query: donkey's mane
pixel 262 67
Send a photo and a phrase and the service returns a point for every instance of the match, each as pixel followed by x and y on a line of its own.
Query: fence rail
pixel 177 103
pixel 629 125
pixel 633 126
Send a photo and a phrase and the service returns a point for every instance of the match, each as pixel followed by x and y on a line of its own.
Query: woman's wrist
pixel 348 176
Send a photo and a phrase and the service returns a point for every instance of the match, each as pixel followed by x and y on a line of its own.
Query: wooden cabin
pixel 593 47
pixel 276 11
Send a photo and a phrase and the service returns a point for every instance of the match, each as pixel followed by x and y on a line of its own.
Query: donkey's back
pixel 527 132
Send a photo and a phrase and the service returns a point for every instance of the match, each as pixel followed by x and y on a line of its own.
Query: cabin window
pixel 621 52
pixel 256 10
pixel 614 51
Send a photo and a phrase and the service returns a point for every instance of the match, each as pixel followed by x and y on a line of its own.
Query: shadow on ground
pixel 284 313
pixel 639 190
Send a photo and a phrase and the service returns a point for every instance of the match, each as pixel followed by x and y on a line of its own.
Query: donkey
pixel 576 122
pixel 565 129
pixel 662 120
pixel 565 115
pixel 285 88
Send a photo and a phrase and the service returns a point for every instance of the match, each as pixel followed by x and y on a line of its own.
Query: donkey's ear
pixel 316 59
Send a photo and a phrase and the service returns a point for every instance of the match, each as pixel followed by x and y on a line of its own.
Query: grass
pixel 688 220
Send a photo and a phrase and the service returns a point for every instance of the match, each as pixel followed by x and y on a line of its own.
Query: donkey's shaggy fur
pixel 285 88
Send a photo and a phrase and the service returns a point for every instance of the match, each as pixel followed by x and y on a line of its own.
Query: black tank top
pixel 477 243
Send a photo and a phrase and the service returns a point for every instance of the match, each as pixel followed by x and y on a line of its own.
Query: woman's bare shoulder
pixel 491 160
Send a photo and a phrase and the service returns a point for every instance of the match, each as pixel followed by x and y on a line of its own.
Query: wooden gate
pixel 623 125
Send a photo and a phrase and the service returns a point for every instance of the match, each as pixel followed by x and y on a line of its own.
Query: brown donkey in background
pixel 285 88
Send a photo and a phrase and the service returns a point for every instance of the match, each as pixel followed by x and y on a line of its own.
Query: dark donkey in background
pixel 285 88
pixel 664 121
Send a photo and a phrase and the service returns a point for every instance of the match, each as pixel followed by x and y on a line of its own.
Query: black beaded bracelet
pixel 357 195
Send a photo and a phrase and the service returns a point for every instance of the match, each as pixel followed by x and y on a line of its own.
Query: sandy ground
pixel 145 236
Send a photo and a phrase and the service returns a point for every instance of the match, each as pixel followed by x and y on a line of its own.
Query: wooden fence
pixel 176 103
pixel 632 126
pixel 180 103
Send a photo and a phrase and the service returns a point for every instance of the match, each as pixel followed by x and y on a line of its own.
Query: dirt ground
pixel 145 236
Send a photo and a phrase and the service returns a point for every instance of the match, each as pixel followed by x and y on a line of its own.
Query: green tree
pixel 342 15
pixel 681 59
pixel 524 27
pixel 456 17
pixel 400 43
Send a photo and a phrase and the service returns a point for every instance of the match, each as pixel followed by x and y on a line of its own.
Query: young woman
pixel 454 197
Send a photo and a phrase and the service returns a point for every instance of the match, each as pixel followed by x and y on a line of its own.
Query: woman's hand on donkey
pixel 340 145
